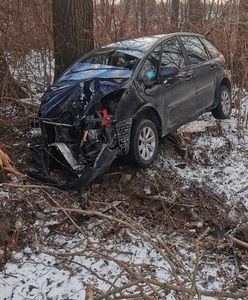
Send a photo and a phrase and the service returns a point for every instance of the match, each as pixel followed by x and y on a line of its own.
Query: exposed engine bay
pixel 75 141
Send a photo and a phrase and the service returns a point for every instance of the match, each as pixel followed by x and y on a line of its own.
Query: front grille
pixel 124 131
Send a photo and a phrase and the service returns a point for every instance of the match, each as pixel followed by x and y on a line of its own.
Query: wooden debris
pixel 89 292
pixel 7 165
pixel 239 242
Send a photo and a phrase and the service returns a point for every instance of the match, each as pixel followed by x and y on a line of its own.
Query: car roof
pixel 144 43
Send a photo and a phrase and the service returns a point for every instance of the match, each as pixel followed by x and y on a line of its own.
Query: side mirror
pixel 169 71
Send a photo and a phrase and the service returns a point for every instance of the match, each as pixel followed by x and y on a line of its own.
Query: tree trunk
pixel 143 19
pixel 240 75
pixel 4 70
pixel 175 13
pixel 125 18
pixel 73 31
pixel 195 12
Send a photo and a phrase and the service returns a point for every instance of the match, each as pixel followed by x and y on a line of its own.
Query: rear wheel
pixel 144 143
pixel 224 107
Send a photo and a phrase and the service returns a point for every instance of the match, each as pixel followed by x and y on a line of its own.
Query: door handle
pixel 188 76
pixel 212 67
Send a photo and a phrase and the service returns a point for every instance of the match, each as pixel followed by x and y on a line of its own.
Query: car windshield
pixel 110 63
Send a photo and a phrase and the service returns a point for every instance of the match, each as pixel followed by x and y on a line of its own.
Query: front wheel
pixel 144 143
pixel 224 107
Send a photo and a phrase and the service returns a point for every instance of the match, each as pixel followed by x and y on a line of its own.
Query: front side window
pixel 149 70
pixel 172 54
pixel 195 49
pixel 113 63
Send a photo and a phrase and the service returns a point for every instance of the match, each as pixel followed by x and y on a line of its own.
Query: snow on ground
pixel 35 275
pixel 219 161
pixel 225 169
pixel 35 70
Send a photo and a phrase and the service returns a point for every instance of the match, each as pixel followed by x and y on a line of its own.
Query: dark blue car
pixel 120 99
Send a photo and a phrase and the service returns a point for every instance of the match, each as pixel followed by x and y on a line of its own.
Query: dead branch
pixel 197 262
pixel 175 287
pixel 89 292
pixel 239 242
pixel 67 214
pixel 25 186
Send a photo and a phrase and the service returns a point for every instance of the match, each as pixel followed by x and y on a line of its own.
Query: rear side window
pixel 195 49
pixel 214 52
pixel 149 69
pixel 172 54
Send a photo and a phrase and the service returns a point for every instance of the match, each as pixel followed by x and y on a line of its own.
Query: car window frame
pixel 202 40
pixel 143 61
pixel 188 59
pixel 180 46
pixel 159 43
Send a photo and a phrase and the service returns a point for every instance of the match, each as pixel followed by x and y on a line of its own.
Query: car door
pixel 146 87
pixel 178 95
pixel 204 71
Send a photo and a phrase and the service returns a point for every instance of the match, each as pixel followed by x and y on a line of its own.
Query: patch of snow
pixel 35 69
pixel 224 159
pixel 39 276
pixel 4 194
pixel 197 126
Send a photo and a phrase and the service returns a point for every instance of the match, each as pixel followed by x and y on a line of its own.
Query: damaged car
pixel 120 100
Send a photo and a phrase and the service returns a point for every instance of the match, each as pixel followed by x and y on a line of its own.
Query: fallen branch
pixel 194 288
pixel 179 287
pixel 83 231
pixel 239 242
pixel 89 292
pixel 26 186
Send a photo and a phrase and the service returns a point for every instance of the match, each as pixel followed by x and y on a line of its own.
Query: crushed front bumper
pixel 49 150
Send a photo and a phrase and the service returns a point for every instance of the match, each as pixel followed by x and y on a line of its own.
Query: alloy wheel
pixel 147 143
pixel 225 102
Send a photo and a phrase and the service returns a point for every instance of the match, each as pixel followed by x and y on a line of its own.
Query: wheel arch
pixel 150 113
pixel 225 81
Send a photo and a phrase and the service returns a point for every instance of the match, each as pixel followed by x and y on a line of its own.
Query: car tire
pixel 224 107
pixel 144 143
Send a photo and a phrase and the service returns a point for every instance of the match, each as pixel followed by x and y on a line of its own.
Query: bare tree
pixel 175 13
pixel 73 31
pixel 143 17
pixel 8 86
pixel 123 23
pixel 195 12
pixel 241 59
pixel 4 70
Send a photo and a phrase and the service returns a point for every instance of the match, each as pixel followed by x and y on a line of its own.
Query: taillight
pixel 107 119
pixel 222 58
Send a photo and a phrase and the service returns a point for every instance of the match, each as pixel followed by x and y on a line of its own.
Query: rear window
pixel 195 49
pixel 214 52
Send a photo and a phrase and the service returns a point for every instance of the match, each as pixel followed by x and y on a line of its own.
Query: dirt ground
pixel 157 198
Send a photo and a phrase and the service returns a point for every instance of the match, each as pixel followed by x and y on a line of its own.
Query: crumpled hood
pixel 76 96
